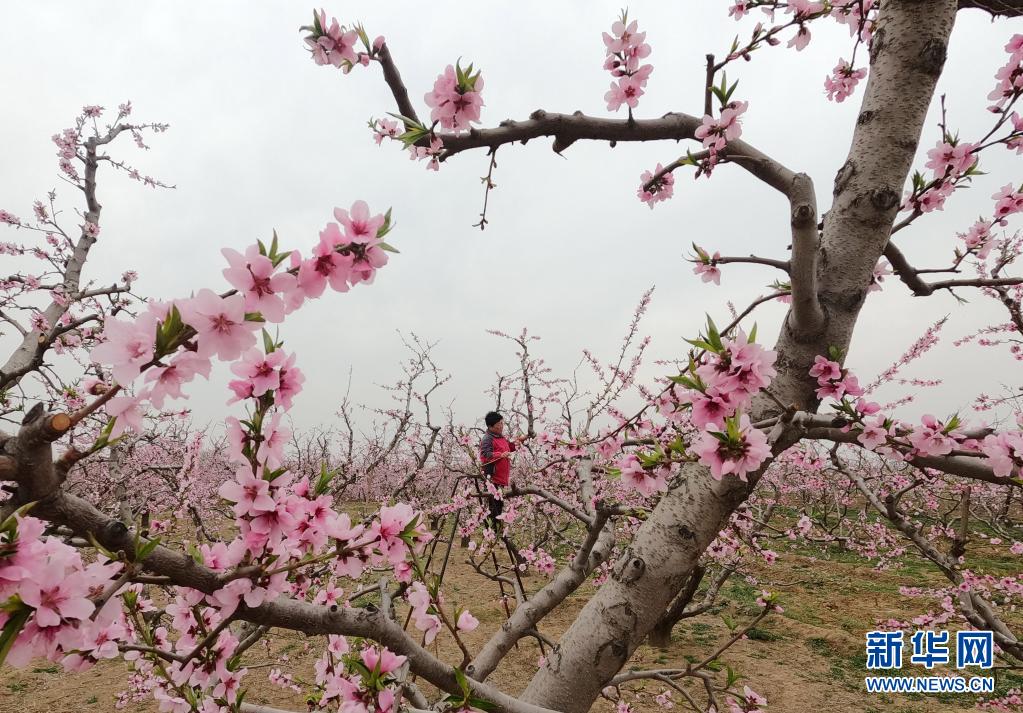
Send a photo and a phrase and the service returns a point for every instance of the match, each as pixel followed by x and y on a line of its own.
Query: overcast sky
pixel 263 139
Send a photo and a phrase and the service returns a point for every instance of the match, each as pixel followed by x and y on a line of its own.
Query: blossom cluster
pixel 176 341
pixel 1009 86
pixel 843 80
pixel 899 440
pixel 656 186
pixel 48 599
pixel 951 162
pixel 706 265
pixel 455 101
pixel 360 680
pixel 858 15
pixel 716 133
pixel 625 47
pixel 717 390
pixel 336 45
pixel 832 380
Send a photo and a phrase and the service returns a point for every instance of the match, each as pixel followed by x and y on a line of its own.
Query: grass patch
pixel 744 596
pixel 702 633
pixel 762 635
pixel 820 646
pixel 802 613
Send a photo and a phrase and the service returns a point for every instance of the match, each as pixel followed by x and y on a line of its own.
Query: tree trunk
pixel 906 60
pixel 660 635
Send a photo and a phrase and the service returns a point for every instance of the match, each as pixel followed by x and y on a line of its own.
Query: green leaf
pixel 412 136
pixel 387 226
pixel 106 553
pixel 952 424
pixel 363 36
pixel 732 677
pixel 268 343
pixel 648 460
pixel 323 482
pixel 731 89
pixel 11 523
pixel 130 598
pixel 272 475
pixel 686 381
pixel 147 549
pixel 409 123
pixel 713 336
pixel 407 533
pixel 280 257
pixel 9 634
pixel 463 682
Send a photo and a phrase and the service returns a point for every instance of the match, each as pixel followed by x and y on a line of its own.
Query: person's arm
pixel 487 454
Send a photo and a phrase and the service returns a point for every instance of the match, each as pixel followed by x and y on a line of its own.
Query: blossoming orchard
pixel 643 546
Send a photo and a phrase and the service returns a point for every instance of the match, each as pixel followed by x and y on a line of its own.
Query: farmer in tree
pixel 495 455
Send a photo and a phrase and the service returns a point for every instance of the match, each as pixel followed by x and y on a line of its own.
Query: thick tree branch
pixel 520 490
pixel 393 79
pixel 806 318
pixel 964 466
pixel 910 276
pixel 591 554
pixel 996 8
pixel 566 129
pixel 904 270
pixel 977 282
pixel 782 265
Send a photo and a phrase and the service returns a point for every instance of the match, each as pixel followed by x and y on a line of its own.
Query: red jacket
pixel 492 448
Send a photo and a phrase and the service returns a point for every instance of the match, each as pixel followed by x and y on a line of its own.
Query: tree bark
pixel 660 635
pixel 907 57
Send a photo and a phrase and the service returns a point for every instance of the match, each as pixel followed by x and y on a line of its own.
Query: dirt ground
pixel 807 660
